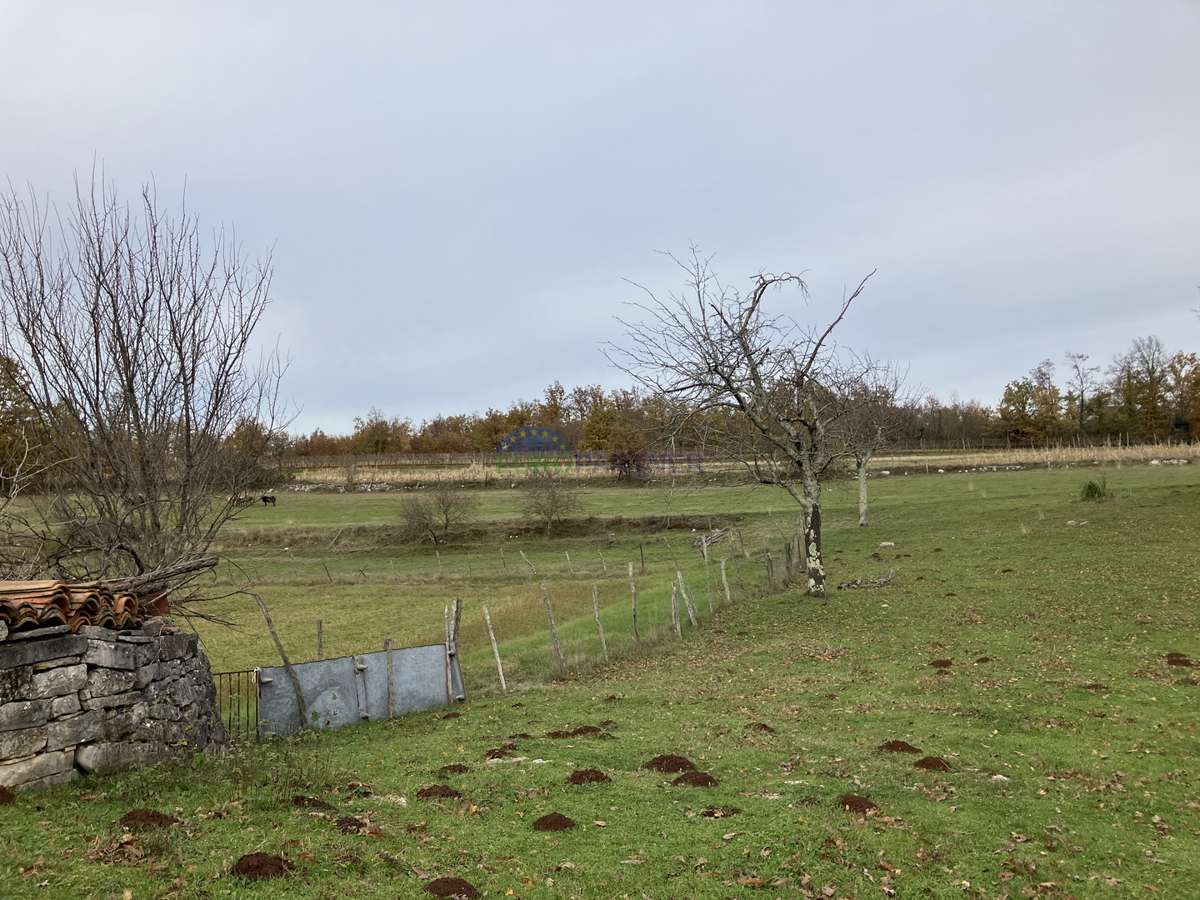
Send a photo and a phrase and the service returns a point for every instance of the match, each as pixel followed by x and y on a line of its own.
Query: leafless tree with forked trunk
pixel 777 396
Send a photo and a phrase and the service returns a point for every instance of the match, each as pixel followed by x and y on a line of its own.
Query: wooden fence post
pixel 725 580
pixel 528 563
pixel 707 578
pixel 599 627
pixel 570 568
pixel 686 601
pixel 495 650
pixel 603 563
pixel 320 639
pixel 562 663
pixel 286 664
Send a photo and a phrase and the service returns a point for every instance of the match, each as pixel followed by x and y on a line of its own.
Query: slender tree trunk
pixel 861 464
pixel 812 537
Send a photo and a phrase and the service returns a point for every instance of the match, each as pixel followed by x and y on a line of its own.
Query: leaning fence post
pixel 725 580
pixel 528 563
pixel 686 602
pixel 495 650
pixel 707 579
pixel 449 679
pixel 675 610
pixel 562 663
pixel 599 627
pixel 286 664
pixel 320 639
pixel 637 638
pixel 603 563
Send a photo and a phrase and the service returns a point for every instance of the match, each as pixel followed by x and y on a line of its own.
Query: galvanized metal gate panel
pixel 351 689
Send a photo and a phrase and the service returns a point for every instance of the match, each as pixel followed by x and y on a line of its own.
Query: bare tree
pixel 547 497
pixel 443 507
pixel 876 416
pixel 775 395
pixel 133 336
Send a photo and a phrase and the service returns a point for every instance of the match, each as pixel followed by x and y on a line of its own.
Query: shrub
pixel 1095 490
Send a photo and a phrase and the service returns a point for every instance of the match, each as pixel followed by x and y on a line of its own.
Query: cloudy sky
pixel 458 193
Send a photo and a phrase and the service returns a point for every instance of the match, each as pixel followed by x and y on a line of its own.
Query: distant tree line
pixel 1144 394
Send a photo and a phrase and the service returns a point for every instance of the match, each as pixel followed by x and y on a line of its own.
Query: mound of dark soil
pixel 454 769
pixel 941 663
pixel 520 736
pixel 983 659
pixel 856 804
pixel 1181 659
pixel 553 822
pixel 1095 687
pixel 897 747
pixel 351 825
pixel 669 762
pixel 760 726
pixel 933 764
pixel 359 789
pixel 719 812
pixel 608 723
pixel 6 796
pixel 259 866
pixel 145 819
pixel 581 731
pixel 311 802
pixel 451 715
pixel 588 776
pixel 438 792
pixel 452 887
pixel 497 753
pixel 696 779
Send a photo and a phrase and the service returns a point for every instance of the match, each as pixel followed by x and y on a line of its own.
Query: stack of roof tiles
pixel 32 604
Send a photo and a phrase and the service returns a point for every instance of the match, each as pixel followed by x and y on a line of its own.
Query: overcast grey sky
pixel 455 191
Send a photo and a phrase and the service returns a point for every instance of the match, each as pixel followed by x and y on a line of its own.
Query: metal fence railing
pixel 237 698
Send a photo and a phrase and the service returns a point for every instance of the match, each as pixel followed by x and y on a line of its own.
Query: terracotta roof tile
pixel 28 604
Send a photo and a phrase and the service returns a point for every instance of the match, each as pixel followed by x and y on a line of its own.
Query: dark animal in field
pixel 268 500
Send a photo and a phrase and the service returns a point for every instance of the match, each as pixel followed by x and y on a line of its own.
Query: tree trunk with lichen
pixel 814 561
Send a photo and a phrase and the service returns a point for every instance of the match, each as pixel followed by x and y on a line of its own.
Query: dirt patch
pixel 696 779
pixel 933 764
pixel 260 866
pixel 897 747
pixel 359 789
pixel 1095 687
pixel 941 663
pixel 553 822
pixel 452 887
pixel 497 753
pixel 451 715
pixel 6 796
pixel 608 723
pixel 352 825
pixel 588 776
pixel 454 769
pixel 669 762
pixel 438 792
pixel 581 731
pixel 311 802
pixel 1181 659
pixel 720 812
pixel 145 819
pixel 856 804
pixel 983 659
pixel 760 726
pixel 520 736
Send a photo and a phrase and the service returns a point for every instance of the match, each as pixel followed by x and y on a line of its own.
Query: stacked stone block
pixel 101 700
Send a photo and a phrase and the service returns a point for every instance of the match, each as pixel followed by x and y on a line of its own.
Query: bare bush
pixel 547 497
pixel 442 507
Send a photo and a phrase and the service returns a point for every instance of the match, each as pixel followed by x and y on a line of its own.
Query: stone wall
pixel 100 700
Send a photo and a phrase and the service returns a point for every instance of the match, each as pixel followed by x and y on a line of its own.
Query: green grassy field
pixel 1070 741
